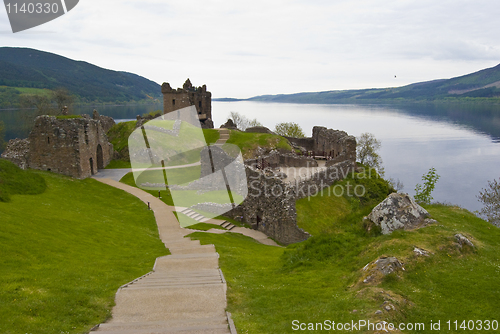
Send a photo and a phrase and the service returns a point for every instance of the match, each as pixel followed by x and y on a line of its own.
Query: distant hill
pixel 23 67
pixel 482 84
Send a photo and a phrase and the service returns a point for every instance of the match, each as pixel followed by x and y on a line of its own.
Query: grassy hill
pixel 29 68
pixel 67 245
pixel 322 278
pixel 482 85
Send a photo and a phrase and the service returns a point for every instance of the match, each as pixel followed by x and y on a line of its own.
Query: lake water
pixel 461 141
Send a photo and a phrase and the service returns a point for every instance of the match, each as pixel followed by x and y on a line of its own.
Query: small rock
pixel 378 312
pixel 388 264
pixel 420 252
pixel 461 240
pixel 389 307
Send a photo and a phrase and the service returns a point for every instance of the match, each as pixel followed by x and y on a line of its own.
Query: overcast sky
pixel 247 48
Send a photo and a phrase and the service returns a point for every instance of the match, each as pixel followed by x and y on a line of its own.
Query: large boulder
pixel 399 211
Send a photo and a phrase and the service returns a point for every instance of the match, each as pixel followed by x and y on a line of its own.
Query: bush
pixel 241 122
pixel 423 193
pixel 366 151
pixel 289 129
pixel 490 197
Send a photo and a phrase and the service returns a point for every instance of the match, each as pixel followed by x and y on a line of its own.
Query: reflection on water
pixel 464 148
pixel 18 123
pixel 462 141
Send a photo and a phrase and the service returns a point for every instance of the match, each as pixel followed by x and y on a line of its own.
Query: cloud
pixel 249 48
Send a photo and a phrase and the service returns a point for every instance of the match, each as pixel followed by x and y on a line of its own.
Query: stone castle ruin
pixel 75 147
pixel 175 99
pixel 277 180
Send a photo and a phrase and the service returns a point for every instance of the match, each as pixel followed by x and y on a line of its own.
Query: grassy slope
pixel 249 142
pixel 322 278
pixel 66 251
pixel 118 136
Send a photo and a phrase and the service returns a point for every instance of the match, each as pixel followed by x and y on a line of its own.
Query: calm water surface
pixel 462 142
pixel 465 150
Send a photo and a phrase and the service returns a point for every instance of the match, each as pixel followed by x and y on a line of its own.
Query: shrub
pixel 289 129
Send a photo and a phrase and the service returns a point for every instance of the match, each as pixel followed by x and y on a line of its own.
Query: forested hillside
pixel 29 68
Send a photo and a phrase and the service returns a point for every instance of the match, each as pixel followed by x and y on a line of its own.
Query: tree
pixel 242 122
pixel 490 197
pixel 366 151
pixel 423 193
pixel 254 122
pixel 41 103
pixel 62 98
pixel 289 129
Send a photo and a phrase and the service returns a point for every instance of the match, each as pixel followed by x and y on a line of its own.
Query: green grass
pixel 35 91
pixel 182 197
pixel 249 142
pixel 14 180
pixel 211 136
pixel 205 227
pixel 322 278
pixel 68 116
pixel 118 164
pixel 118 136
pixel 66 251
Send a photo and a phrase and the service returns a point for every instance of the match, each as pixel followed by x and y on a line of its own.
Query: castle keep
pixel 174 99
pixel 76 147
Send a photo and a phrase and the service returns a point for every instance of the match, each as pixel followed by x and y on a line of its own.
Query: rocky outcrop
pixel 463 240
pixel 399 211
pixel 229 125
pixel 381 267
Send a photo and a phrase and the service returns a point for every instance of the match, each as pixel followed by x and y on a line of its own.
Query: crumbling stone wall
pixel 76 147
pixel 17 152
pixel 270 204
pixel 334 143
pixel 276 159
pixel 174 99
pixel 106 121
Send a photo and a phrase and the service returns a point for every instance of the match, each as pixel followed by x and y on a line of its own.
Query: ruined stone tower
pixel 174 99
pixel 76 147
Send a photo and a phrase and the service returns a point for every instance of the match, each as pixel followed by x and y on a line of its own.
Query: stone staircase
pixel 185 292
pixel 223 136
pixel 202 219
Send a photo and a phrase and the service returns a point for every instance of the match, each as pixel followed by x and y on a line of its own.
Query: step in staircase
pixel 202 219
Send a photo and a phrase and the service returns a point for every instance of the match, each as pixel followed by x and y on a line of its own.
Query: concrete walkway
pixel 185 292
